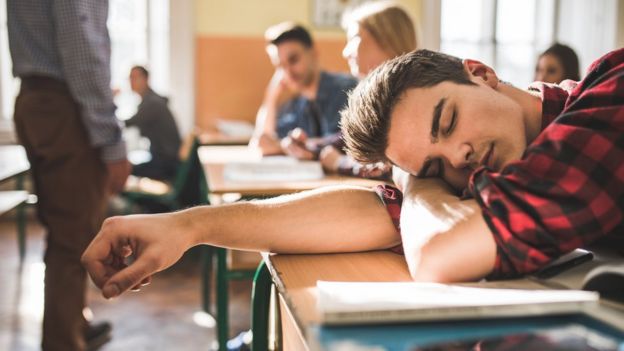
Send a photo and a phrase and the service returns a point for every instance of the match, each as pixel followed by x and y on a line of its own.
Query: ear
pixel 315 52
pixel 477 69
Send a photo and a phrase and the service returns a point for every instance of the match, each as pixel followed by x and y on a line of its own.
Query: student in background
pixel 155 122
pixel 544 168
pixel 300 94
pixel 65 118
pixel 376 32
pixel 558 63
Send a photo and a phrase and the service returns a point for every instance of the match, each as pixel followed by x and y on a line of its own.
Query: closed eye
pixel 452 124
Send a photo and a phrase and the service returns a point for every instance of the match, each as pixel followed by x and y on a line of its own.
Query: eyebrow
pixel 435 122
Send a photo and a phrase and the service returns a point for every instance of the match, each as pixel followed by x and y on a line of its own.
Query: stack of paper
pixel 356 303
pixel 279 169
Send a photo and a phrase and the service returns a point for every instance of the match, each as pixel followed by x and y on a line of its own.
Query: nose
pixel 462 156
pixel 348 51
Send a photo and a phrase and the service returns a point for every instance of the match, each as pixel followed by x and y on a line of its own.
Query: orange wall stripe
pixel 232 73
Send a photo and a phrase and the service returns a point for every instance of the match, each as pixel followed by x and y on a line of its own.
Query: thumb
pixel 130 276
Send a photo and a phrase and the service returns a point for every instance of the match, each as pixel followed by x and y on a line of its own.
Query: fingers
pixel 296 149
pixel 106 254
pixel 134 275
pixel 143 283
pixel 298 134
pixel 96 258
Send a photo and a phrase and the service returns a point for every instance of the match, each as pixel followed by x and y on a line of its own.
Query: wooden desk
pixel 14 164
pixel 11 199
pixel 214 159
pixel 295 277
pixel 216 138
pixel 13 161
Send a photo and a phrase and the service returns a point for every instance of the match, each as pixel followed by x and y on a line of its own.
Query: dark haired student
pixel 301 97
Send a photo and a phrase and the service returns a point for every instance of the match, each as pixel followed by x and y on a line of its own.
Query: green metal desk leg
pixel 260 298
pixel 21 222
pixel 222 299
pixel 206 259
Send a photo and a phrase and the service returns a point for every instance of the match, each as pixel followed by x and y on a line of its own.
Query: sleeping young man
pixel 497 181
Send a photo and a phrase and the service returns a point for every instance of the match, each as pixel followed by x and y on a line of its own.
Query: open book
pixel 273 169
pixel 361 303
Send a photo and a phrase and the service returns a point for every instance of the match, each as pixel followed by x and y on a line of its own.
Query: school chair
pixel 187 189
pixel 230 267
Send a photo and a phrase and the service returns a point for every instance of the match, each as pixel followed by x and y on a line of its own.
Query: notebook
pixel 372 302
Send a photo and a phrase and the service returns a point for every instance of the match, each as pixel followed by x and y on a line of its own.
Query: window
pixel 505 34
pixel 139 32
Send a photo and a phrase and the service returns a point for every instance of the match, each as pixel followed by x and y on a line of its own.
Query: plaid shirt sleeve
pixel 84 50
pixel 392 199
pixel 567 190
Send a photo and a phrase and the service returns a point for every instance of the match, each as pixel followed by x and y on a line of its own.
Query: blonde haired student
pixel 376 32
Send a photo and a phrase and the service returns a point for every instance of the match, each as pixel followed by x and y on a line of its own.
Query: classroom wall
pixel 232 68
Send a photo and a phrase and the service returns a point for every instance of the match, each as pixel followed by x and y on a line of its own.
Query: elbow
pixel 425 268
pixel 427 263
pixel 427 272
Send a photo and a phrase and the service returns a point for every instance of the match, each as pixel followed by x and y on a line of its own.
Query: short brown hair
pixel 288 31
pixel 365 121
pixel 141 69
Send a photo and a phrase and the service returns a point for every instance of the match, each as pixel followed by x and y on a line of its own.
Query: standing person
pixel 376 32
pixel 65 118
pixel 155 122
pixel 301 97
pixel 558 63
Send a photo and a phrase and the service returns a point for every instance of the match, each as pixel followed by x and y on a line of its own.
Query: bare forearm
pixel 340 219
pixel 445 239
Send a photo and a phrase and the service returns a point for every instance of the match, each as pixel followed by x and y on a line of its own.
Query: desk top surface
pixel 216 138
pixel 295 277
pixel 11 199
pixel 215 158
pixel 13 161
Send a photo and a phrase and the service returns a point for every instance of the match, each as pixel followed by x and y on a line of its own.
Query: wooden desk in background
pixel 242 265
pixel 13 165
pixel 13 161
pixel 214 159
pixel 216 138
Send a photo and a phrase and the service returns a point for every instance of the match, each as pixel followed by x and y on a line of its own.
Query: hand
pixel 118 172
pixel 295 145
pixel 267 144
pixel 155 242
pixel 375 170
pixel 280 89
pixel 330 158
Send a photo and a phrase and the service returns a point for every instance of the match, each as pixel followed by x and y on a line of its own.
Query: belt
pixel 43 83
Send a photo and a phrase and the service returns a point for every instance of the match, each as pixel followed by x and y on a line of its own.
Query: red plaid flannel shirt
pixel 568 188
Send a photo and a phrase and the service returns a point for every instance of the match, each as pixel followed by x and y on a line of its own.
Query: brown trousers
pixel 70 182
